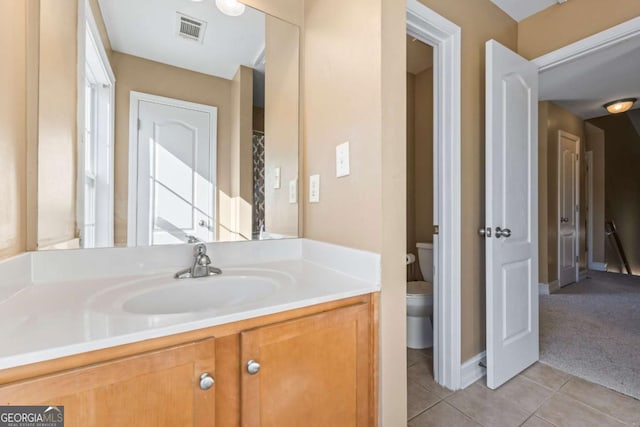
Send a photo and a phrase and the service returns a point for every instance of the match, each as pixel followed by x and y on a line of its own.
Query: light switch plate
pixel 342 160
pixel 276 178
pixel 314 189
pixel 293 191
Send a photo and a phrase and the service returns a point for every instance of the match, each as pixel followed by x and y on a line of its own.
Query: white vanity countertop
pixel 44 320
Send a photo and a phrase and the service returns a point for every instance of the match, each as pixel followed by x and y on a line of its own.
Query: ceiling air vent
pixel 190 28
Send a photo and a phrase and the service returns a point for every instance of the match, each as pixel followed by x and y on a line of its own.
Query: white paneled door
pixel 176 172
pixel 511 232
pixel 568 208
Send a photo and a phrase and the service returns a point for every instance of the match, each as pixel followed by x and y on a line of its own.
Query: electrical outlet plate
pixel 314 189
pixel 293 191
pixel 342 160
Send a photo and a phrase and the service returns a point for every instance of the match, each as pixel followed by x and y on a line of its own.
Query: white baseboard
pixel 548 288
pixel 471 371
pixel 598 266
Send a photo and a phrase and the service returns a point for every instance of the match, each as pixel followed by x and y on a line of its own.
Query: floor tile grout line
pixel 425 410
pixel 547 387
pixel 504 400
pixel 535 413
pixel 594 409
pixel 603 386
pixel 463 414
pixel 440 398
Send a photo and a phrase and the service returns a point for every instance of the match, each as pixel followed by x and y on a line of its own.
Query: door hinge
pixel 577 258
pixel 436 229
pixel 139 124
pixel 577 208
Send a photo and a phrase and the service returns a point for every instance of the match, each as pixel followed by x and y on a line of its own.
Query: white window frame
pixel 104 77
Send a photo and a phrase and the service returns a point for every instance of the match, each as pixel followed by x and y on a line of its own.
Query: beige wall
pixel 569 22
pixel 622 186
pixel 137 74
pixel 241 162
pixel 342 103
pixel 290 10
pixel 419 160
pixel 595 144
pixel 393 192
pixel 411 166
pixel 557 119
pixel 343 98
pixel 424 156
pixel 57 122
pixel 13 19
pixel 281 122
pixel 480 21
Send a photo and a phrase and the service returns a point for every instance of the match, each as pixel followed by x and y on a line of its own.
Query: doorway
pixel 445 37
pixel 172 171
pixel 520 291
pixel 421 281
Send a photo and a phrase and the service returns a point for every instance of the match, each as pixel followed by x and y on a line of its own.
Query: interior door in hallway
pixel 511 232
pixel 176 172
pixel 568 207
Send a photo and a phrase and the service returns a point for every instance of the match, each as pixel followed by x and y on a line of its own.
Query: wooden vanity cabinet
pixel 313 371
pixel 317 367
pixel 159 388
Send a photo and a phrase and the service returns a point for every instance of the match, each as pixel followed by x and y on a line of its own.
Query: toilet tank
pixel 425 259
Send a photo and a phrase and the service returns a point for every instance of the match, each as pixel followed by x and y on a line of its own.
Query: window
pixel 95 196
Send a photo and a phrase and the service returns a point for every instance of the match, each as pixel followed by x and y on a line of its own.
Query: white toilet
pixel 420 302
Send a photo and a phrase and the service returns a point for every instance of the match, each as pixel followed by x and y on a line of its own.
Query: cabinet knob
pixel 253 367
pixel 206 381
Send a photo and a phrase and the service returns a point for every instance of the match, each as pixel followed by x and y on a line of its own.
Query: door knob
pixel 253 367
pixel 500 232
pixel 202 223
pixel 563 219
pixel 484 232
pixel 206 381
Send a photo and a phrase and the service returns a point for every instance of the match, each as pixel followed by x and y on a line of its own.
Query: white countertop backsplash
pixel 50 304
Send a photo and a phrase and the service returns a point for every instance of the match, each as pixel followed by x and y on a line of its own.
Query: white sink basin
pixel 196 295
pixel 161 297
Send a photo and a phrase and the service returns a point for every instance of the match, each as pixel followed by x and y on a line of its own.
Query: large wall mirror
pixel 165 122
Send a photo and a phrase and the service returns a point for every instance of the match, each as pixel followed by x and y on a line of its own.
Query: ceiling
pixel 521 9
pixel 419 56
pixel 583 85
pixel 147 28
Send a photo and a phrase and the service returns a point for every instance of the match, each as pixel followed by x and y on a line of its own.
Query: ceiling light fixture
pixel 230 7
pixel 620 105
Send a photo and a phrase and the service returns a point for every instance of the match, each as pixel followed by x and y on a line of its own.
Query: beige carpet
pixel 591 329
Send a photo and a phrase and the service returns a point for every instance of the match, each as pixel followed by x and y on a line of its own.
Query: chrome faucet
pixel 201 265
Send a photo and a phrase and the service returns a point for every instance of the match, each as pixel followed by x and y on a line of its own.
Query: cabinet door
pixel 160 388
pixel 314 371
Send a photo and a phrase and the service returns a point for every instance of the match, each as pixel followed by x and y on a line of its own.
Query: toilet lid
pixel 419 288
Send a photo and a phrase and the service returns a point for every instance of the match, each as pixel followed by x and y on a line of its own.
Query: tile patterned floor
pixel 539 397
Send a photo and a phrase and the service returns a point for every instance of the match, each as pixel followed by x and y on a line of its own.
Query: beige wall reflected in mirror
pixel 180 124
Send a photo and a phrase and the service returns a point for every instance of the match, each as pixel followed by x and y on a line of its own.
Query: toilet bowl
pixel 420 302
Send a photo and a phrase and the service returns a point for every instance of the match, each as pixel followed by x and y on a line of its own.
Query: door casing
pixel 445 37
